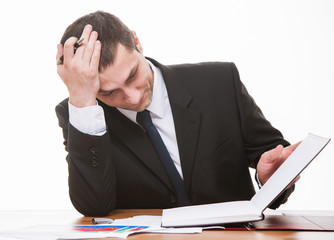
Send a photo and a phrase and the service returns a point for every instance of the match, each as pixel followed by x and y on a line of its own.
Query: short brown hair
pixel 111 31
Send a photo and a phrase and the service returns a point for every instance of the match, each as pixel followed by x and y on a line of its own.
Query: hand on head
pixel 79 71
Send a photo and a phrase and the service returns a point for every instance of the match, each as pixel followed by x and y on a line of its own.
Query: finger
pixel 59 55
pixel 87 57
pixel 59 51
pixel 96 55
pixel 69 49
pixel 289 149
pixel 85 35
pixel 273 155
pixel 296 179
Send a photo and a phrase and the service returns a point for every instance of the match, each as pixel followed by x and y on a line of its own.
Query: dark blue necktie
pixel 144 119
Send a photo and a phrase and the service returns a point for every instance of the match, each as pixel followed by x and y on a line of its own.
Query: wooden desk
pixel 17 219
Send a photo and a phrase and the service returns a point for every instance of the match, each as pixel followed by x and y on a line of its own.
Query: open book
pixel 252 210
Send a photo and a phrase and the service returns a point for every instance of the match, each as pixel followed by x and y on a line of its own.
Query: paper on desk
pixel 144 220
pixel 120 228
pixel 37 232
pixel 154 223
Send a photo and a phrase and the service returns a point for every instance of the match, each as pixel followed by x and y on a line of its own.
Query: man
pixel 211 127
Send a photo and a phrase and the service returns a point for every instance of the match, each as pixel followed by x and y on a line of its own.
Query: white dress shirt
pixel 90 120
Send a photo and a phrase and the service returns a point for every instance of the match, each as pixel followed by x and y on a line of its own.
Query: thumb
pixel 288 150
pixel 274 154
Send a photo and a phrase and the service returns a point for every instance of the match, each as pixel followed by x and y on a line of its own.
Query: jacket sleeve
pixel 259 135
pixel 91 179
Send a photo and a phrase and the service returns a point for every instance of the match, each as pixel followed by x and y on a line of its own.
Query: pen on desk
pixel 76 45
pixel 102 220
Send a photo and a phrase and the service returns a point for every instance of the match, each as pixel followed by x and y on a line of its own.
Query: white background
pixel 284 51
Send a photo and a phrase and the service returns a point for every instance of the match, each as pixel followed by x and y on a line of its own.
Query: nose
pixel 132 95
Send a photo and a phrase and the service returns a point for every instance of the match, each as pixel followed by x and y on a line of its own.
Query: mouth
pixel 141 100
pixel 138 106
pixel 140 103
pixel 144 102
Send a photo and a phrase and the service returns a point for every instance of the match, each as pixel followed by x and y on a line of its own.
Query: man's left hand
pixel 271 160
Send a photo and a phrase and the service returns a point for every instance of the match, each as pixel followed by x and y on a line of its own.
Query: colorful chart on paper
pixel 108 228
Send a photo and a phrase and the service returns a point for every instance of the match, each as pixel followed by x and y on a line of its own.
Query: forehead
pixel 125 60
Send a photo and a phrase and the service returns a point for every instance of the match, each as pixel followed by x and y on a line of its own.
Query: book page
pixel 206 214
pixel 307 150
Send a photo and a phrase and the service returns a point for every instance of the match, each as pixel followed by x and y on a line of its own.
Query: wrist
pixel 82 101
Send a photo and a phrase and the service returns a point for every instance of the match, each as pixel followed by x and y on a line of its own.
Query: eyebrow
pixel 133 70
pixel 101 91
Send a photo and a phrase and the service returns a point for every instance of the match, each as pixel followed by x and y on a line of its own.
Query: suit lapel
pixel 187 121
pixel 187 124
pixel 136 140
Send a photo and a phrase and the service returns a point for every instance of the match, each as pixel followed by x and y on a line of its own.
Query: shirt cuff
pixel 258 180
pixel 89 120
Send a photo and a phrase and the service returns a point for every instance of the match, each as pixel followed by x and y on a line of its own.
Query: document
pixel 252 210
pixel 120 228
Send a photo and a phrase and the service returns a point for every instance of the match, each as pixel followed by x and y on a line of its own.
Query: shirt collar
pixel 159 95
pixel 157 106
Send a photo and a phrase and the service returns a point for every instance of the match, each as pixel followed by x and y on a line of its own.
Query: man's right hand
pixel 79 71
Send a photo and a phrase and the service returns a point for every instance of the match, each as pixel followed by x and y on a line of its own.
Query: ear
pixel 138 44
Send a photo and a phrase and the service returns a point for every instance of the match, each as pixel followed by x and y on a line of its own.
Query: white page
pixel 206 214
pixel 307 150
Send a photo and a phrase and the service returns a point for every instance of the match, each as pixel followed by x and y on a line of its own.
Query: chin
pixel 135 108
pixel 140 109
pixel 143 106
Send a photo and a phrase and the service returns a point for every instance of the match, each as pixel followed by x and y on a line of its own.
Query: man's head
pixel 111 31
pixel 125 78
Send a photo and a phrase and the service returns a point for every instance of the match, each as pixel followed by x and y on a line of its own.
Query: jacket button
pixel 172 199
pixel 93 150
pixel 94 163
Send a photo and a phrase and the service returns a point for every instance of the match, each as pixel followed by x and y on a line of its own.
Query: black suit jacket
pixel 220 133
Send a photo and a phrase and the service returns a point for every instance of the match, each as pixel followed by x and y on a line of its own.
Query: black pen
pixel 76 45
pixel 102 220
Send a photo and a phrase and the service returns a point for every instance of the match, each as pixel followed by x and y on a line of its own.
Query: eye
pixel 132 76
pixel 107 93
